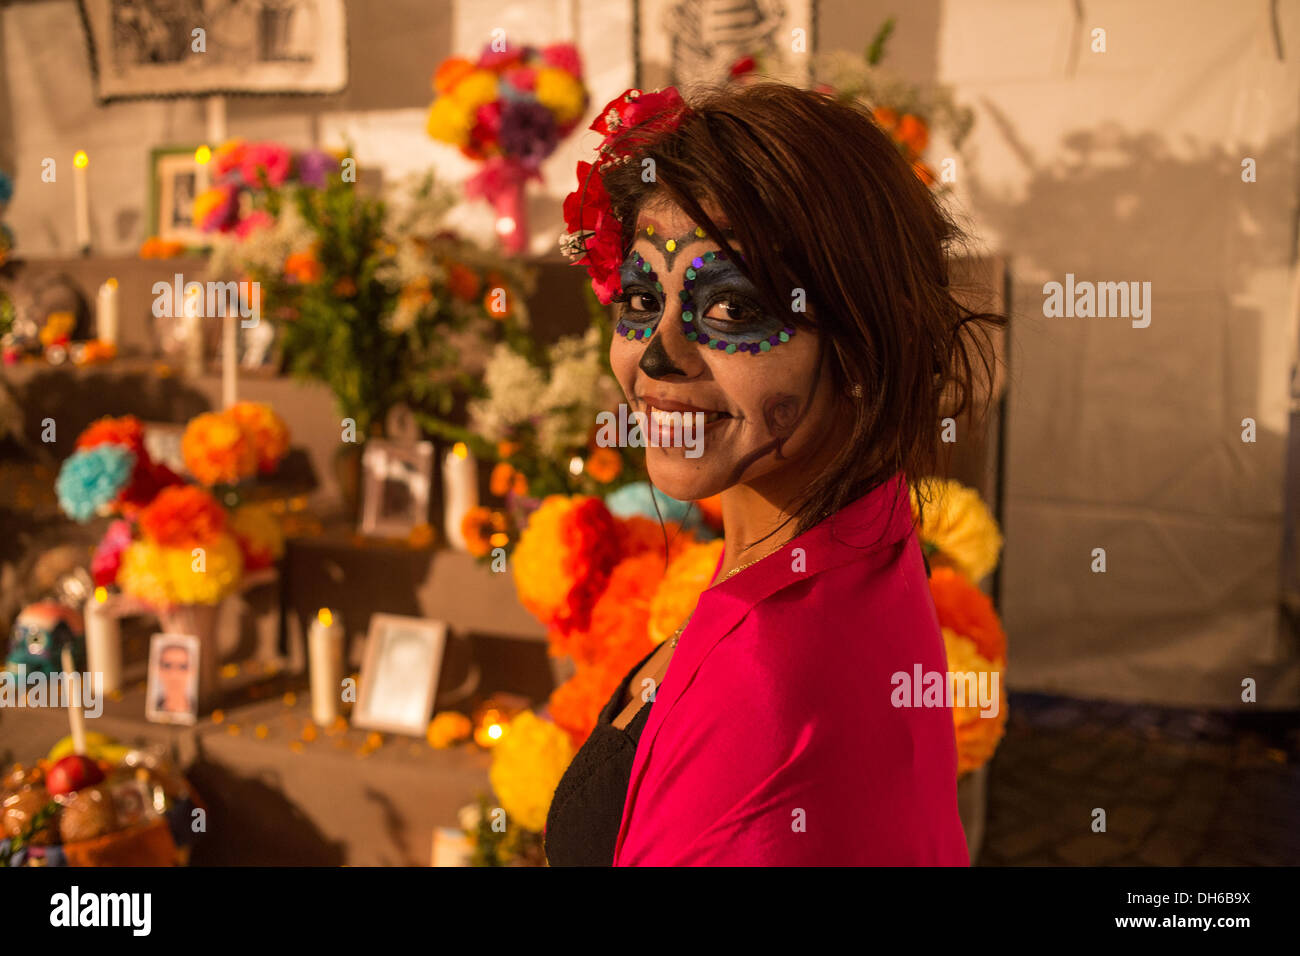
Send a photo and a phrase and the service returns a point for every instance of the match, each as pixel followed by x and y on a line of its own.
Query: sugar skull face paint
pixel 719 306
pixel 766 410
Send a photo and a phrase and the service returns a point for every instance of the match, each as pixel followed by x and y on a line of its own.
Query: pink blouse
pixel 772 740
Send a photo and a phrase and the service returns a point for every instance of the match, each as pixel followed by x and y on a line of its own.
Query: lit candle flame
pixel 80 159
pixel 101 595
pixel 460 450
pixel 325 616
pixel 202 155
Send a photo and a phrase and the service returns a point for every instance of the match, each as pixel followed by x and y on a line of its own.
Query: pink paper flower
pixel 275 159
pixel 108 556
pixel 255 220
pixel 563 56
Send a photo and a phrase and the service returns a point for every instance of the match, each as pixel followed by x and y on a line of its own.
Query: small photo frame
pixel 173 689
pixel 175 179
pixel 395 487
pixel 399 675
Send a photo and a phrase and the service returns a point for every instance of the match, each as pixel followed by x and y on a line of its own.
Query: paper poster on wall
pixel 152 48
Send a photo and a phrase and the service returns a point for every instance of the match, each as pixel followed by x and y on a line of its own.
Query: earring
pixel 856 390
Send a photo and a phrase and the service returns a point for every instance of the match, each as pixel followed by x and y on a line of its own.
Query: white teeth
pixel 660 418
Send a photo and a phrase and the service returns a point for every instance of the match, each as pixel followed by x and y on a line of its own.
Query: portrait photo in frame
pixel 173 688
pixel 399 675
pixel 395 485
pixel 175 179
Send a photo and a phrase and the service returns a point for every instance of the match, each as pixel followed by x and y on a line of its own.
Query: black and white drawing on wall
pixel 686 42
pixel 151 48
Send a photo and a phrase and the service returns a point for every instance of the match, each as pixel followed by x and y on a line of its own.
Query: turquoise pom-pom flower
pixel 636 499
pixel 92 478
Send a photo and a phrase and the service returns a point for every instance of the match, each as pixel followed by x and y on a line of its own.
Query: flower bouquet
pixel 903 110
pixel 175 548
pixel 508 110
pixel 377 300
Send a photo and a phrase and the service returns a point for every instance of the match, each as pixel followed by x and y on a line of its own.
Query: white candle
pixel 106 315
pixel 103 642
pixel 76 715
pixel 81 199
pixel 325 661
pixel 459 492
pixel 229 363
pixel 193 331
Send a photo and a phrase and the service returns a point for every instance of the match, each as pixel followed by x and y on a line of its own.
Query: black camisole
pixel 587 808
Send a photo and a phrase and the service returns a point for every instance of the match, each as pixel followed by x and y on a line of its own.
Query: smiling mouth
pixel 661 411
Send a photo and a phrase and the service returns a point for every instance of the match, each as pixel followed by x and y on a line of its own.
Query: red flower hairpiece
pixel 595 236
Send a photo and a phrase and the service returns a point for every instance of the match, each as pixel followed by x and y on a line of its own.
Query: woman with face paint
pixel 781 282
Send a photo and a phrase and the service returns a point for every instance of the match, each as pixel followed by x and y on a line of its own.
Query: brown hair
pixel 820 199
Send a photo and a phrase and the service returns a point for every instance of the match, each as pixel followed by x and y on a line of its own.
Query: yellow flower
pixel 449 122
pixel 977 734
pixel 561 93
pixel 143 574
pixel 475 90
pixel 687 576
pixel 527 765
pixel 447 728
pixel 958 523
pixel 206 578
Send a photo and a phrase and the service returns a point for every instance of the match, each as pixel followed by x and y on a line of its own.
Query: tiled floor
pixel 1178 787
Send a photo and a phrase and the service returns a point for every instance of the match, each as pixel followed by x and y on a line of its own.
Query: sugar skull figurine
pixel 40 634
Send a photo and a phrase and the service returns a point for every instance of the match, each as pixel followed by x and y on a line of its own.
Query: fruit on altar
pixel 18 811
pixel 87 813
pixel 99 746
pixel 72 773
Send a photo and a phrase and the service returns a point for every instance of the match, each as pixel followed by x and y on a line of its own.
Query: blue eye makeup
pixel 720 307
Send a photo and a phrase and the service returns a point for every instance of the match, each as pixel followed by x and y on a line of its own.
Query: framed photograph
pixel 685 42
pixel 173 690
pixel 162 48
pixel 396 478
pixel 399 676
pixel 175 178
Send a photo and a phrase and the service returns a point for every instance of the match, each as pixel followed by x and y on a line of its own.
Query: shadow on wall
pixel 1131 438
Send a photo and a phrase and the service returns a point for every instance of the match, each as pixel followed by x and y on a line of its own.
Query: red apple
pixel 72 773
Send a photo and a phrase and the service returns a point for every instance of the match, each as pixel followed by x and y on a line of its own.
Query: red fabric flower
pixel 183 517
pixel 595 236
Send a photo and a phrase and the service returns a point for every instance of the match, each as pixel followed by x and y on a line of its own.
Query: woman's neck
pixel 748 516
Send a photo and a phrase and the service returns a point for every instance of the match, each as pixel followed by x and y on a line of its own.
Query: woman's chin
pixel 682 478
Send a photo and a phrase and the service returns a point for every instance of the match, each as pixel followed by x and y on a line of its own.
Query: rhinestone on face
pixel 697 262
pixel 765 346
pixel 688 316
pixel 671 245
pixel 699 232
pixel 649 230
pixel 690 273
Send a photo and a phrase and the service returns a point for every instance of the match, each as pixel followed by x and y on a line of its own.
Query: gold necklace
pixel 726 577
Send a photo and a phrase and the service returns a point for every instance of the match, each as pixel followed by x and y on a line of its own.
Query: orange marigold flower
pixel 450 72
pixel 885 117
pixel 217 451
pixel 462 282
pixel 913 133
pixel 303 266
pixel 575 704
pixel 265 429
pixel 184 516
pixel 563 559
pixel 127 431
pixel 967 610
pixel 604 465
pixel 478 526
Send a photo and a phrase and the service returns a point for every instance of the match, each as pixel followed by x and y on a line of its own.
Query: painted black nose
pixel 656 362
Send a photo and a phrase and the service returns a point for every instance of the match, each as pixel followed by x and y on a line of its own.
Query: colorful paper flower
pixel 265 159
pixel 217 209
pixel 183 517
pixel 217 451
pixel 679 591
pixel 265 429
pixel 978 732
pixel 258 533
pixel 563 560
pixel 966 609
pixel 527 765
pixel 107 559
pixel 447 728
pixel 958 524
pixel 92 478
